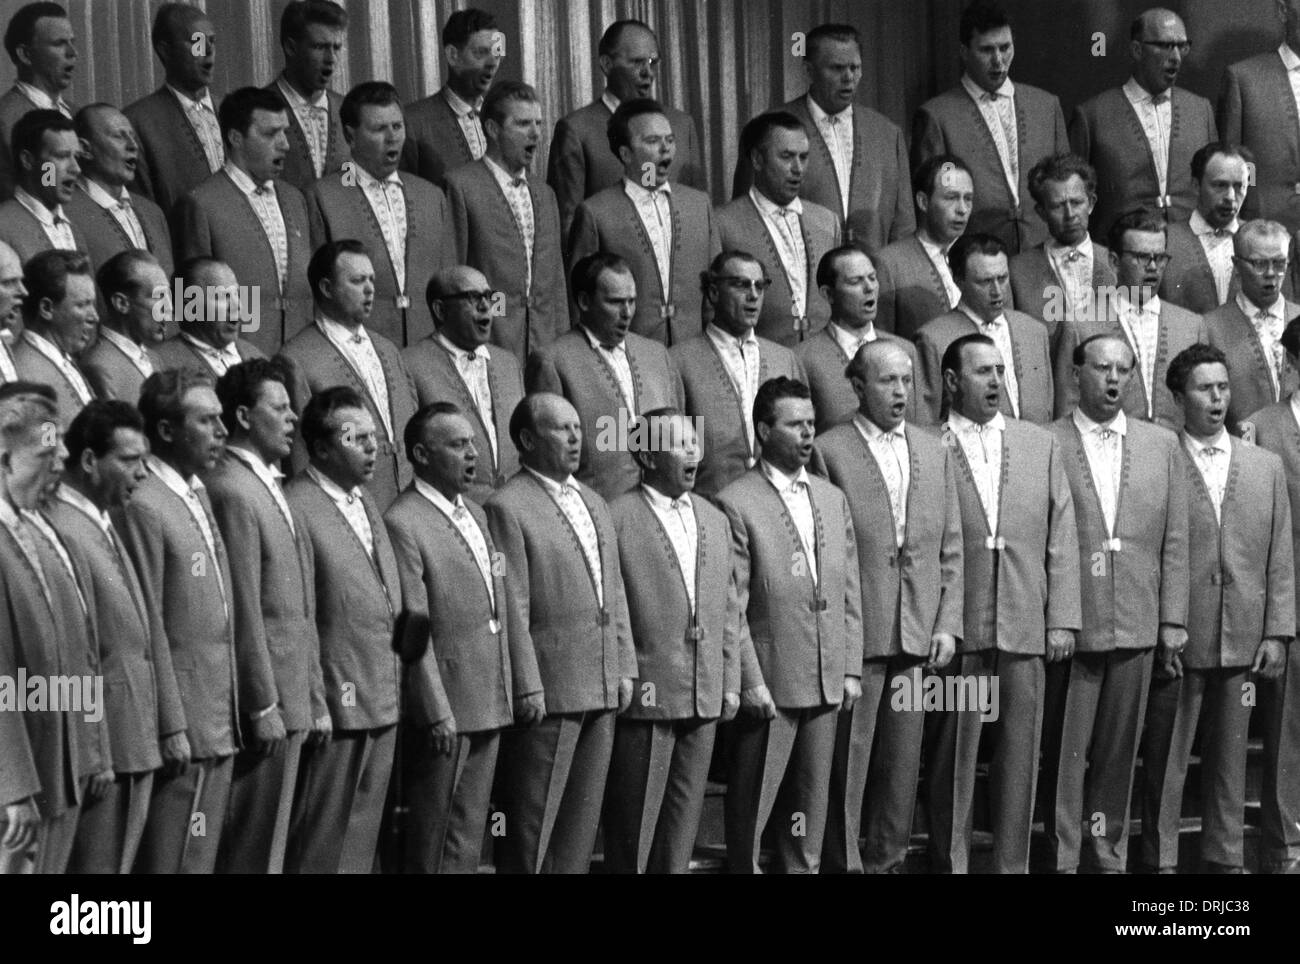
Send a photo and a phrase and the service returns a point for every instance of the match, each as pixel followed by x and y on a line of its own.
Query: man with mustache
pixel 1240 620
pixel 664 232
pixel 402 219
pixel 311 38
pixel 12 293
pixel 39 41
pixel 581 162
pixel 795 234
pixel 520 254
pixel 34 219
pixel 445 130
pixel 1021 124
pixel 246 216
pixel 108 215
pixel 59 319
pixel 979 266
pixel 210 316
pixel 1202 271
pixel 1154 329
pixel 176 125
pixel 1147 163
pixel 137 310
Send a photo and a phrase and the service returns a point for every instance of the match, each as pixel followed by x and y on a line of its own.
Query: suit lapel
pixel 246 208
pixel 820 146
pixel 666 543
pixel 876 476
pixel 725 377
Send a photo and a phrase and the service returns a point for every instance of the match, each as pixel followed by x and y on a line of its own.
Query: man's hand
pixel 943 646
pixel 1060 644
pixel 21 821
pixel 267 732
pixel 530 708
pixel 175 750
pixel 1172 639
pixel 730 706
pixel 624 693
pixel 758 701
pixel 1270 658
pixel 99 785
pixel 442 736
pixel 852 693
pixel 1169 664
pixel 322 728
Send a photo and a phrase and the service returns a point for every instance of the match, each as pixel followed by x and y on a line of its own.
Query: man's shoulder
pixel 1177 316
pixel 1224 315
pixel 590 118
pixel 305 344
pixel 875 126
pixel 428 110
pixel 1256 67
pixel 150 106
pixel 1104 102
pixel 1036 436
pixel 903 251
pixel 693 352
pixel 467 178
pixel 1026 326
pixel 1036 98
pixel 1031 259
pixel 947 326
pixel 645 349
pixel 1148 437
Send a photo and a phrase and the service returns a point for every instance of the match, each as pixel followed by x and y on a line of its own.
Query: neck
pixel 338 476
pixel 119 326
pixel 1198 437
pixel 930 237
pixel 462 88
pixel 37 194
pixel 78 483
pixel 851 324
pixel 206 335
pixel 47 87
pixel 177 462
pixel 979 418
pixel 190 90
pixel 351 324
pixel 883 426
pixel 245 443
pixel 307 93
pixel 1098 416
pixel 665 488
pixel 736 329
pixel 20 498
pixel 110 185
pixel 447 488
pixel 548 472
pixel 788 466
pixel 821 102
pixel 1153 93
pixel 1264 305
pixel 48 334
pixel 498 157
pixel 462 344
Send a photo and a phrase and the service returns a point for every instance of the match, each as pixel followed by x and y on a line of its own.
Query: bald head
pixel 11 291
pixel 111 143
pixel 881 376
pixel 548 434
pixel 461 301
pixel 1158 46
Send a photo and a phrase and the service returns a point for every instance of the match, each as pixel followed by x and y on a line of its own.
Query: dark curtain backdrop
pixel 723 60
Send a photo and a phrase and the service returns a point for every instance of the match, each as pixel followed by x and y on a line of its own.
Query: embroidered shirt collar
pixel 1085 425
pixel 978 93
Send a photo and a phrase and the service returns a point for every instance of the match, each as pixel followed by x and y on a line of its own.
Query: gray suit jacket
pixel 24 233
pixel 176 352
pixel 104 237
pixel 911 290
pixel 1275 429
pixel 171 161
pixel 32 366
pixel 298 169
pixel 111 374
pixel 435 145
pixel 1037 291
pixel 824 362
pixel 1249 372
pixel 1188 281
pixel 1257 109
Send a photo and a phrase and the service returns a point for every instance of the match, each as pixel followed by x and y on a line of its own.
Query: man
pixel 1240 619
pixel 1130 505
pixel 795 235
pixel 39 41
pixel 1129 135
pixel 1001 129
pixel 847 281
pixel 343 782
pixel 858 166
pixel 721 370
pixel 1248 329
pixel 137 310
pixel 916 284
pixel 458 365
pixel 311 38
pixel 1062 277
pixel 105 463
pixel 339 350
pixel 796 571
pixel 254 222
pixel 581 162
pixel 1273 429
pixel 573 663
pixel 107 215
pixel 667 236
pixel 12 293
pixel 1200 276
pixel 181 560
pixel 179 134
pixel 402 220
pixel 1258 109
pixel 39 749
pixel 45 152
pixel 1021 608
pixel 609 374
pixel 277 652
pixel 459 694
pixel 979 266
pixel 675 553
pixel 59 318
pixel 519 253
pixel 212 313
pixel 902 495
pixel 1155 330
pixel 445 130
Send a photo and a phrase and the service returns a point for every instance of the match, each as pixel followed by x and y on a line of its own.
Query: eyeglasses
pixel 745 284
pixel 470 297
pixel 1150 260
pixel 1169 46
pixel 1261 265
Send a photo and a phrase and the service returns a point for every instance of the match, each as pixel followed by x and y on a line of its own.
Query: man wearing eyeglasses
pixel 1248 329
pixel 1154 329
pixel 458 364
pixel 1202 273
pixel 1129 134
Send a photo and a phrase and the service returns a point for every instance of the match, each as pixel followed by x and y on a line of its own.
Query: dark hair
pixel 169 18
pixel 754 134
pixel 1186 361
pixel 236 110
pixel 1141 219
pixel 242 385
pixel 827 271
pixel 843 32
pixel 81 119
pixel 94 425
pixel 1060 168
pixel 45 275
pixel 1228 149
pixel 413 434
pixel 162 398
pixel 463 24
pixel 524 418
pixel 587 271
pixel 118 273
pixel 502 93
pixel 301 14
pixel 613 35
pixel 952 354
pixel 320 409
pixel 371 93
pixel 981 17
pixel 190 267
pixel 927 175
pixel 14 389
pixel 771 392
pixel 969 244
pixel 325 259
pixel 29 130
pixel 618 127
pixel 22 25
pixel 1079 356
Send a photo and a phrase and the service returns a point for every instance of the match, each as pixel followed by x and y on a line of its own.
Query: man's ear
pixel 242 417
pixel 166 430
pixel 419 454
pixel 88 461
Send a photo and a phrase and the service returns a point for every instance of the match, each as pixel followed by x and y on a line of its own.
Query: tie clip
pixel 1114 545
pixel 403 302
pixel 995 543
pixel 494 626
pixel 694 634
pixel 667 311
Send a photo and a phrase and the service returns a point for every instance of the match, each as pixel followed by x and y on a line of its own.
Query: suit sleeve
pixel 1060 136
pixel 541 375
pixel 931 375
pixel 315 671
pixel 627 663
pixel 952 579
pixel 715 239
pixel 318 227
pixel 1279 607
pixel 887 298
pixel 1080 135
pixel 299 396
pixel 426 697
pixel 692 171
pixel 509 539
pixel 459 211
pixel 733 638
pixel 852 596
pixel 1064 389
pixel 917 412
pixel 566 173
pixel 584 237
pixel 1174 561
pixel 927 138
pixel 743 179
pixel 1230 107
pixel 1064 609
pixel 192 236
pixel 751 674
pixel 903 223
pixel 19 778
